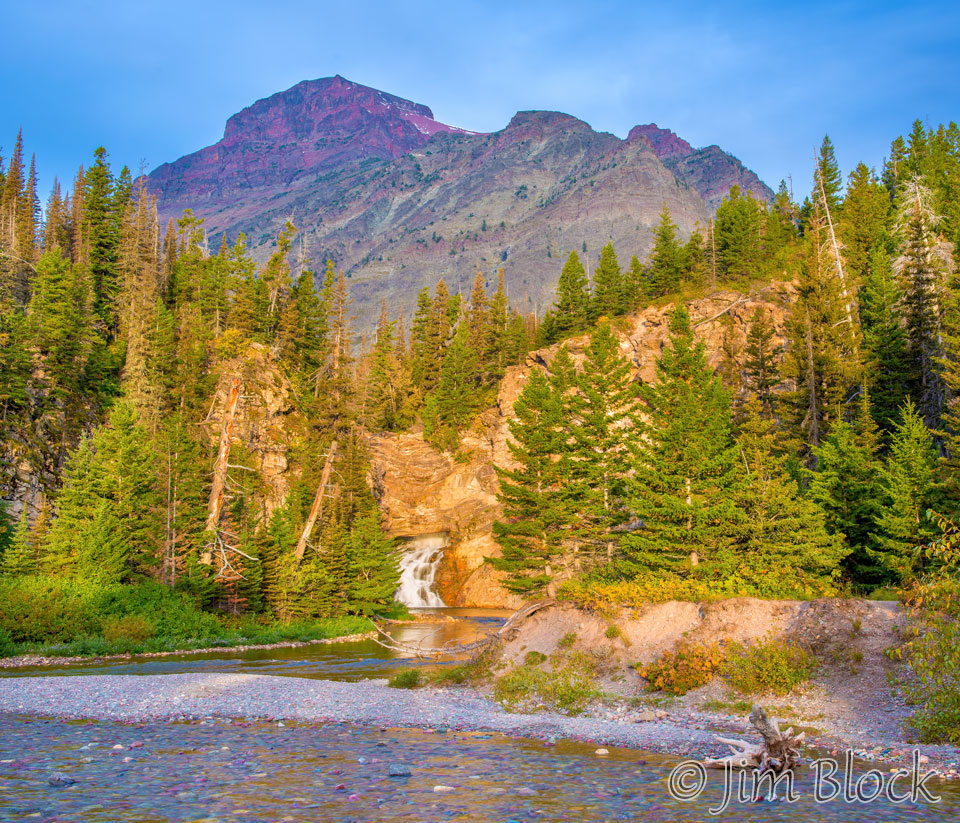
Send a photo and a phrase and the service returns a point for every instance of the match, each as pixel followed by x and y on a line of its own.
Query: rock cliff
pixel 427 492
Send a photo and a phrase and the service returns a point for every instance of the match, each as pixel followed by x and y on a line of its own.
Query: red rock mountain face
pixel 399 200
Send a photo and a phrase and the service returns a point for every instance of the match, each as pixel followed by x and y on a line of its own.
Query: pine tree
pixel 607 285
pixel 602 411
pixel 829 174
pixel 685 467
pixel 786 549
pixel 862 226
pixel 845 486
pixel 884 339
pixel 924 265
pixel 457 397
pixel 737 235
pixel 907 483
pixel 665 266
pixel 537 519
pixel 573 298
pixel 760 362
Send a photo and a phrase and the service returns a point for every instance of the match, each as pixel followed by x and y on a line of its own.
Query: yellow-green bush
pixel 568 687
pixel 133 627
pixel 685 668
pixel 770 666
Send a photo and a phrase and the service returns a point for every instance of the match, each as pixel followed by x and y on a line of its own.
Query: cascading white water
pixel 418 569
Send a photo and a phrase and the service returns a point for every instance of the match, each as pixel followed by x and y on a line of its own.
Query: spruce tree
pixel 862 226
pixel 607 285
pixel 884 339
pixel 685 467
pixel 601 411
pixel 737 236
pixel 785 549
pixel 760 367
pixel 573 298
pixel 538 518
pixel 829 173
pixel 924 265
pixel 373 570
pixel 907 483
pixel 845 486
pixel 457 396
pixel 665 266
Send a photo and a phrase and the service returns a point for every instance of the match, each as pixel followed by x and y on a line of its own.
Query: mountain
pixel 398 199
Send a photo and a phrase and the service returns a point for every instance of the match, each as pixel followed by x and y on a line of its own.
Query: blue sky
pixel 152 81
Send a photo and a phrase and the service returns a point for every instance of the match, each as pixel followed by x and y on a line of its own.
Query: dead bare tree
pixel 317 508
pixel 217 490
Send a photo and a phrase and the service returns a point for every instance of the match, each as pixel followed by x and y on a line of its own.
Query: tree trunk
pixel 215 505
pixel 317 506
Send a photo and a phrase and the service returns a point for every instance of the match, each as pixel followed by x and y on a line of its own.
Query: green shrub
pixel 770 666
pixel 569 687
pixel 407 679
pixel 534 658
pixel 685 668
pixel 932 645
pixel 133 627
pixel 7 647
pixel 44 610
pixel 612 632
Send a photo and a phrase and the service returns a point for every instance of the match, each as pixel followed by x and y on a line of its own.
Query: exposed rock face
pixel 710 171
pixel 426 491
pixel 399 200
pixel 264 424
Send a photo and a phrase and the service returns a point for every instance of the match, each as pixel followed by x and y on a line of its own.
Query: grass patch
pixel 727 706
pixel 567 688
pixel 685 668
pixel 407 679
pixel 567 641
pixel 770 666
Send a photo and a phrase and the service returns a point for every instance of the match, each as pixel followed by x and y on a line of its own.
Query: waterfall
pixel 418 568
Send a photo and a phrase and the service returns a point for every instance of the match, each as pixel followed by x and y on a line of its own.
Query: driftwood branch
pixel 778 752
pixel 455 649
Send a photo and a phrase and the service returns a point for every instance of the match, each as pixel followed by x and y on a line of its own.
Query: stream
pixel 358 660
pixel 265 772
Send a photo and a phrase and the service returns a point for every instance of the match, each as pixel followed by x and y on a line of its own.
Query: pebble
pixel 398 770
pixel 442 789
pixel 60 779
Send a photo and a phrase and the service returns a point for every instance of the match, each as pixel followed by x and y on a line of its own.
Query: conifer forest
pixel 821 464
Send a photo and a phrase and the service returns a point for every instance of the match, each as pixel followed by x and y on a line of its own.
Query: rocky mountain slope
pixel 398 199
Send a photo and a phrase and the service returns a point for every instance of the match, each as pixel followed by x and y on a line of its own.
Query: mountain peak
pixel 665 143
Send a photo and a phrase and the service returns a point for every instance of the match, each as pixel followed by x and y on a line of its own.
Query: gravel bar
pixel 172 697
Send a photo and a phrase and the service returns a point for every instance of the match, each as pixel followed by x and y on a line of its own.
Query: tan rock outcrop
pixel 426 491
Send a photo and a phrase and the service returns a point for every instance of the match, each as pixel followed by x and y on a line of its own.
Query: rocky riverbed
pixel 253 748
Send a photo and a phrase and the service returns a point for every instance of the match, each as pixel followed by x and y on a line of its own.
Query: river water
pixel 268 772
pixel 332 661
